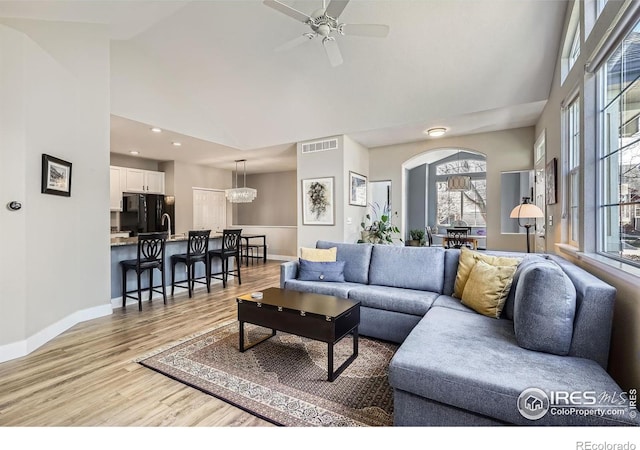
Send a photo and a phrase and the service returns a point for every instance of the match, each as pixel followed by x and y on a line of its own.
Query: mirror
pixel 513 186
pixel 380 193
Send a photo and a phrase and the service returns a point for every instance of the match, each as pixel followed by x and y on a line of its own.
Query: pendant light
pixel 459 182
pixel 241 194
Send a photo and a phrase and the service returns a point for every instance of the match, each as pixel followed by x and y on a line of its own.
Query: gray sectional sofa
pixel 457 367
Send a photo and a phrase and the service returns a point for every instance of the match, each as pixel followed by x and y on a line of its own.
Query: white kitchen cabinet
pixel 144 181
pixel 115 188
pixel 155 182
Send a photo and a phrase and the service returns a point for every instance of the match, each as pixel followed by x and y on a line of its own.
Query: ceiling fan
pixel 324 23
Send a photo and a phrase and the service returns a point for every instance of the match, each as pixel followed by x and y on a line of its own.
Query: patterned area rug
pixel 284 379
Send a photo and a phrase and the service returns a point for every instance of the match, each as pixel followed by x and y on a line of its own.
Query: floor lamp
pixel 526 210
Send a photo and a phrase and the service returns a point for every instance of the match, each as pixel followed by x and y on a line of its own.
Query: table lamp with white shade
pixel 526 210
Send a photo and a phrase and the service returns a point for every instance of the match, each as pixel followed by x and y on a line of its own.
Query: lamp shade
pixel 526 211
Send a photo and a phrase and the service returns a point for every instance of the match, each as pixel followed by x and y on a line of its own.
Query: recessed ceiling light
pixel 176 144
pixel 134 152
pixel 156 130
pixel 435 132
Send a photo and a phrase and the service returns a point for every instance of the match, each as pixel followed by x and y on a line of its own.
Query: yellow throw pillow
pixel 468 260
pixel 318 254
pixel 487 288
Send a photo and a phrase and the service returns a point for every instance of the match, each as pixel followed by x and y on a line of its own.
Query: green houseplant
pixel 417 238
pixel 380 230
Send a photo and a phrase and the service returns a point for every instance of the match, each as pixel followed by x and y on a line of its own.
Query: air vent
pixel 320 146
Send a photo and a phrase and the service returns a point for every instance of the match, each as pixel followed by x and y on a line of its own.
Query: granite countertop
pixel 116 242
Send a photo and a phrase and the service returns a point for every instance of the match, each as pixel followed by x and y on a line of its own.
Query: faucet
pixel 165 215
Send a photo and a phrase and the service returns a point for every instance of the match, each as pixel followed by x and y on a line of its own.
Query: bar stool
pixel 230 248
pixel 197 249
pixel 150 256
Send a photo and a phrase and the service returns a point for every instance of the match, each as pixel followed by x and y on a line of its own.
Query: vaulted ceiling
pixel 207 71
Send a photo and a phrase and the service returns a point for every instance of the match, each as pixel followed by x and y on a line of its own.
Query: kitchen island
pixel 127 248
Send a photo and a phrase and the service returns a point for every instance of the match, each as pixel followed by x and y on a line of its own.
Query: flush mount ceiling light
pixel 156 130
pixel 176 144
pixel 243 194
pixel 134 152
pixel 435 132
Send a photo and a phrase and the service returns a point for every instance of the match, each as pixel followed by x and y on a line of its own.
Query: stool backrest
pixel 151 246
pixel 231 240
pixel 198 242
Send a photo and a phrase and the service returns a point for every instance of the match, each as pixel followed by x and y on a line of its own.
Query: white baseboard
pixel 282 257
pixel 24 347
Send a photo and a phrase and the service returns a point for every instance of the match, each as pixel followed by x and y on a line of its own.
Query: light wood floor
pixel 87 376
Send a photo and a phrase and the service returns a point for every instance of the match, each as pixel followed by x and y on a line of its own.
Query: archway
pixel 433 197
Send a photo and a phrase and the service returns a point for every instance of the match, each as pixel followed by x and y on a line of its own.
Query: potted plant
pixel 417 238
pixel 379 231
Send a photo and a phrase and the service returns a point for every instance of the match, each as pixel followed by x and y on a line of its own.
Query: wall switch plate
pixel 349 221
pixel 550 221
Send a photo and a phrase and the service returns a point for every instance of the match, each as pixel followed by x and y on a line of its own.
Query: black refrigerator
pixel 142 213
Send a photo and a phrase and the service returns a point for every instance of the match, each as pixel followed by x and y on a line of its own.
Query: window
pixel 574 52
pixel 600 6
pixel 469 206
pixel 619 155
pixel 573 169
pixel 571 46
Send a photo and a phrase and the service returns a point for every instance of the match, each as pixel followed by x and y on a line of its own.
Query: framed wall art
pixel 551 181
pixel 56 176
pixel 357 189
pixel 318 201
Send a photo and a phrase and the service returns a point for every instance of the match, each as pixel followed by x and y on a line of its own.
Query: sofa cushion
pixel 531 258
pixel 487 287
pixel 419 268
pixel 468 259
pixel 321 271
pixel 357 258
pixel 446 301
pixel 408 301
pixel 319 287
pixel 319 254
pixel 545 306
pixel 473 362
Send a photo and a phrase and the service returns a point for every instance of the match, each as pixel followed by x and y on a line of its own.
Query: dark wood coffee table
pixel 320 317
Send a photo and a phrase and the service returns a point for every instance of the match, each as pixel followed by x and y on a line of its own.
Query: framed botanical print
pixel 318 201
pixel 551 181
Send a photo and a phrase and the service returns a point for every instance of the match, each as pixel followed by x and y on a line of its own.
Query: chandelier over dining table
pixel 241 194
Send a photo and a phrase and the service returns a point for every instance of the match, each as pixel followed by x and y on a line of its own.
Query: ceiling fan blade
pixel 363 29
pixel 295 42
pixel 287 10
pixel 335 8
pixel 333 51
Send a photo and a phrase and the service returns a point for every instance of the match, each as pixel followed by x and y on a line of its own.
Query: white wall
pixel 55 100
pixel 505 151
pixel 356 159
pixel 323 164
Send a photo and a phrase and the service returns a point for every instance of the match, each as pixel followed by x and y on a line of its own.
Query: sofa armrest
pixel 288 271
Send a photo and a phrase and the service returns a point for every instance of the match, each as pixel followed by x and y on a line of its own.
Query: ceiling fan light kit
pixel 324 23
